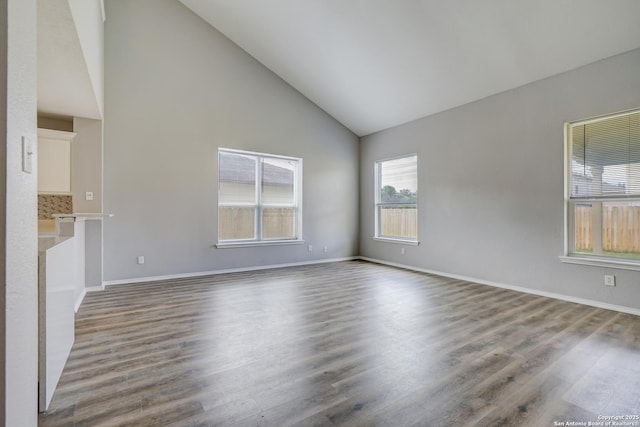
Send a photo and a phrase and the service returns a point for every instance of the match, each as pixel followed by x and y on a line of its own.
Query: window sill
pixel 229 245
pixel 601 262
pixel 399 241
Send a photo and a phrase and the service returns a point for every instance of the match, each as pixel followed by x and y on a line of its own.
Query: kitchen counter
pixel 61 266
pixel 62 281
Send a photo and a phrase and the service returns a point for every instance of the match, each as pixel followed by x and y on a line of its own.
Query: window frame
pixel 598 258
pixel 259 206
pixel 378 204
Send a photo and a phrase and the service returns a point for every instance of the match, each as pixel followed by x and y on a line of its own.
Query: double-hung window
pixel 603 189
pixel 396 198
pixel 259 198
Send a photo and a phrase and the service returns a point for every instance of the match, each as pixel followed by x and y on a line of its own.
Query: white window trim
pixel 595 261
pixel 376 219
pixel 297 205
pixel 256 243
pixel 570 257
pixel 397 240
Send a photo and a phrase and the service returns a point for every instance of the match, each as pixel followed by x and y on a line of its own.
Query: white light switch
pixel 88 195
pixel 27 155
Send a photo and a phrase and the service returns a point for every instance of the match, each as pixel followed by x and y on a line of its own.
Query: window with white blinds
pixel 259 198
pixel 604 193
pixel 396 186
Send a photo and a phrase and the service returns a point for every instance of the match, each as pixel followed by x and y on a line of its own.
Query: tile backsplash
pixel 49 204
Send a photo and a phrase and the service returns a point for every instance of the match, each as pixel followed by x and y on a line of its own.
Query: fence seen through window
pixel 397 198
pixel 604 192
pixel 258 197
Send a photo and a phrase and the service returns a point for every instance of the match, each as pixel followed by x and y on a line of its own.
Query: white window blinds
pixel 605 157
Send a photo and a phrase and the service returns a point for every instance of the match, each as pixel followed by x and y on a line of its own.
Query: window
pixel 603 194
pixel 258 198
pixel 396 214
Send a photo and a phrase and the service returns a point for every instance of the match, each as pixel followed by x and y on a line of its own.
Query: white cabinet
pixel 54 161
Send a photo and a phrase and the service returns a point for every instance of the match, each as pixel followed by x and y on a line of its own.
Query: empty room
pixel 320 212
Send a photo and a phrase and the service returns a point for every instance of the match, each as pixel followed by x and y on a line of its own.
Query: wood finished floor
pixel 349 343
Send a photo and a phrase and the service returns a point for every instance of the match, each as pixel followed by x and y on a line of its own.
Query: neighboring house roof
pixel 582 184
pixel 241 169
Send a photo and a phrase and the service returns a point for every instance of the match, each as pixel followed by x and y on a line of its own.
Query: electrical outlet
pixel 140 259
pixel 88 195
pixel 402 251
pixel 310 248
pixel 325 249
pixel 609 280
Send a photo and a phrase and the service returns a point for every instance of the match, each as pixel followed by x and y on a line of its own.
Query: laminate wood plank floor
pixel 343 344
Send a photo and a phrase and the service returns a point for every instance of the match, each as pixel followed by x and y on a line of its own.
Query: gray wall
pixel 176 90
pixel 491 184
pixel 86 165
pixel 86 175
pixel 18 251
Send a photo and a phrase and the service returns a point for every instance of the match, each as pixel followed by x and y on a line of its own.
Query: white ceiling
pixel 64 84
pixel 374 64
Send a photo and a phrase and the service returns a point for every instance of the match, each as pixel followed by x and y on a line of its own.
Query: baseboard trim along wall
pixel 567 298
pixel 215 272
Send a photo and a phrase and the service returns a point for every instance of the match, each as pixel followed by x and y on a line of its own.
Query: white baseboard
pixel 583 301
pixel 215 272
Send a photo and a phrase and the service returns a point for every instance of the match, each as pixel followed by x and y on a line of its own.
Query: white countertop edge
pixel 79 216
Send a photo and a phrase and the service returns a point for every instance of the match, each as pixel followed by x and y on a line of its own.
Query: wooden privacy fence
pixel 620 228
pixel 239 223
pixel 399 222
pixel 620 225
pixel 277 223
pixel 583 220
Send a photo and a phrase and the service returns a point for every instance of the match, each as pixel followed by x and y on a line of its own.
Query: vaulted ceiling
pixel 64 82
pixel 374 64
